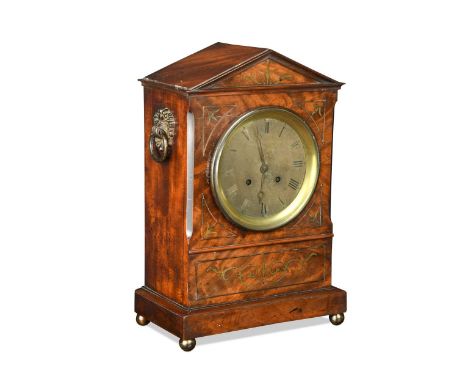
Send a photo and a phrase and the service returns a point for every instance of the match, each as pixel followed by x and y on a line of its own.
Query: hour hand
pixel 260 194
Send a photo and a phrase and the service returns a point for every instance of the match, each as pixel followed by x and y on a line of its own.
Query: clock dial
pixel 265 168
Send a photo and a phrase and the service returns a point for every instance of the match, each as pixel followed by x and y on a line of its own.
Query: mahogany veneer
pixel 223 277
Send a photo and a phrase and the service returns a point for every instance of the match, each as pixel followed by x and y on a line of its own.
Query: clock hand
pixel 260 194
pixel 263 168
pixel 260 148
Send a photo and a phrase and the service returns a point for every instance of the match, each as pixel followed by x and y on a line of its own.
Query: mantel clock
pixel 238 154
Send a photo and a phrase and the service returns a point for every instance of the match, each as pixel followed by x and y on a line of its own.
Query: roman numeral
pixel 267 127
pixel 295 144
pixel 264 209
pixel 281 132
pixel 246 134
pixel 232 190
pixel 298 163
pixel 293 183
pixel 245 204
pixel 281 201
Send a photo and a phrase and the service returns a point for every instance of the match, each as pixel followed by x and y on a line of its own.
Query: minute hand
pixel 260 148
pixel 263 168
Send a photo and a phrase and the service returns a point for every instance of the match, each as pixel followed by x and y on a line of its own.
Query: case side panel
pixel 166 253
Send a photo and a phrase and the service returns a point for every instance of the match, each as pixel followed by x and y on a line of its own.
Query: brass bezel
pixel 310 178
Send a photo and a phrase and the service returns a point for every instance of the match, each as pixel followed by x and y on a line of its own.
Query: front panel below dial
pixel 259 271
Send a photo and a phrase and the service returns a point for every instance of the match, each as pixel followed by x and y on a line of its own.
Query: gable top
pixel 226 66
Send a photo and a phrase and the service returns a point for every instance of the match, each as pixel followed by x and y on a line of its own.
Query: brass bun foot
pixel 336 319
pixel 187 345
pixel 141 320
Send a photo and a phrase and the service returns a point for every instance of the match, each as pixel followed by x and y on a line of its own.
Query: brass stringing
pixel 262 271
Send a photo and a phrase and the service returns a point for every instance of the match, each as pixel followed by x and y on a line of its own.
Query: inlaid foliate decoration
pixel 213 117
pixel 272 272
pixel 260 271
pixel 266 73
pixel 211 228
pixel 315 116
pixel 313 215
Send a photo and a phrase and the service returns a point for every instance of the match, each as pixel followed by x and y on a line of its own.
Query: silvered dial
pixel 265 168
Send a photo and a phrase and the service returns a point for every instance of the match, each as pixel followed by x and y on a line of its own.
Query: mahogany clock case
pixel 223 277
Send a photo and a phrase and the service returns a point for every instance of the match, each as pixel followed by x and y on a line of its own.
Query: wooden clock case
pixel 223 277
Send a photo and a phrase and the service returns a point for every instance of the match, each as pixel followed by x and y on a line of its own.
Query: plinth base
pixel 187 324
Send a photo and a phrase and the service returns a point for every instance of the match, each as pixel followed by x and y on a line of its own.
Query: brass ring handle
pixel 162 134
pixel 159 145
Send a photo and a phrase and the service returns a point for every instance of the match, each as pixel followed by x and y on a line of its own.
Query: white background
pixel 71 205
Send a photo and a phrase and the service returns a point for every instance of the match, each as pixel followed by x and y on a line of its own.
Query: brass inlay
pixel 313 216
pixel 211 228
pixel 212 117
pixel 265 77
pixel 315 110
pixel 263 271
pixel 266 73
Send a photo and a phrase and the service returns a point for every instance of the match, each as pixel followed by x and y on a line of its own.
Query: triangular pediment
pixel 235 67
pixel 268 72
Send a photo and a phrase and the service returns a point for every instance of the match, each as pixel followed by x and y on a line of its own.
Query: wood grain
pixel 205 64
pixel 258 271
pixel 166 246
pixel 192 323
pixel 225 277
pixel 205 70
pixel 213 115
